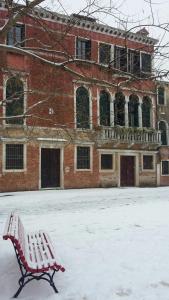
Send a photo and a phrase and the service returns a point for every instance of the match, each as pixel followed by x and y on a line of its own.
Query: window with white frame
pixel 148 162
pixel 16 36
pixel 83 49
pixel 165 167
pixel 83 158
pixel 134 61
pixel 146 62
pixel 104 54
pixel 120 58
pixel 14 156
pixel 106 161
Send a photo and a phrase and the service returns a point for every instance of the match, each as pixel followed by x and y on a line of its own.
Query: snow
pixel 114 243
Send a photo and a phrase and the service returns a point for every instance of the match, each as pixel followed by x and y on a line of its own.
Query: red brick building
pixel 78 107
pixel 163 126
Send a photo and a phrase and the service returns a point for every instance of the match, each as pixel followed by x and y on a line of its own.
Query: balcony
pixel 129 135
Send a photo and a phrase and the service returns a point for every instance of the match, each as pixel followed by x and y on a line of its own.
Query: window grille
pixel 83 157
pixel 165 167
pixel 14 156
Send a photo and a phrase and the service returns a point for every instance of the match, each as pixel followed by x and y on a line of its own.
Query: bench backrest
pixel 14 231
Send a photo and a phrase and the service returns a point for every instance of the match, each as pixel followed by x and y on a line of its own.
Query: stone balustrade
pixel 130 135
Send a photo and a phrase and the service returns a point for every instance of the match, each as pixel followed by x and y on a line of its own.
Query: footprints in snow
pixel 123 292
pixel 162 283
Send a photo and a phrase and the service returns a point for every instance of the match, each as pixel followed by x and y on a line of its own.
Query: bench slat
pixel 14 226
pixel 40 256
pixel 30 253
pixel 7 225
pixel 47 245
pixel 42 251
pixel 36 249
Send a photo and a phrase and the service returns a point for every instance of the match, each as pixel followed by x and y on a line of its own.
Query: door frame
pixel 49 146
pixel 124 180
pixel 136 175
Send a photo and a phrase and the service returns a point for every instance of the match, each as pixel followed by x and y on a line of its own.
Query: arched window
pixel 119 111
pixel 14 101
pixel 133 111
pixel 162 128
pixel 82 108
pixel 161 95
pixel 104 109
pixel 146 112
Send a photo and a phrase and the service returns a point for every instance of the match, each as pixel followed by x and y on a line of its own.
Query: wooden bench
pixel 34 251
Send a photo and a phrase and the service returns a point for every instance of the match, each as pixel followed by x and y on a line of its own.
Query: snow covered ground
pixel 114 243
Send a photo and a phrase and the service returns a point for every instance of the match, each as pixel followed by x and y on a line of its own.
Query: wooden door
pixel 127 171
pixel 50 168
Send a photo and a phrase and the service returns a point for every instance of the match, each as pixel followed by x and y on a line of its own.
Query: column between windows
pixel 140 122
pixel 126 111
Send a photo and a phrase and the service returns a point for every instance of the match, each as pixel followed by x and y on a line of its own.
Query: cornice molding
pixel 89 24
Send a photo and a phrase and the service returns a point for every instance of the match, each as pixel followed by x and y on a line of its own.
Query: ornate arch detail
pixel 146 111
pixel 14 97
pixel 82 107
pixel 104 105
pixel 133 110
pixel 163 126
pixel 119 109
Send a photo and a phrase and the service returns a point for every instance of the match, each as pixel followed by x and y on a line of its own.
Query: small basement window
pixel 14 157
pixel 148 162
pixel 165 167
pixel 106 161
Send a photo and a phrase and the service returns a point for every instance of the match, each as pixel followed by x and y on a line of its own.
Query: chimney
pixel 143 31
